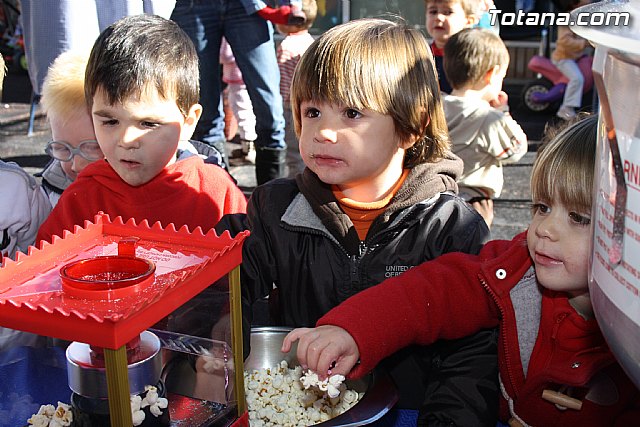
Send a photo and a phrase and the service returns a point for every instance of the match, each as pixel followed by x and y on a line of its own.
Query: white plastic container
pixel 614 279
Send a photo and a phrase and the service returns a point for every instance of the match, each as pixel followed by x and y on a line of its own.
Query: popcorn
pixel 281 396
pixel 151 399
pixel 62 415
pixel 332 385
pixel 48 416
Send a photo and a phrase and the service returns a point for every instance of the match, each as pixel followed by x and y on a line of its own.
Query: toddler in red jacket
pixel 142 89
pixel 555 366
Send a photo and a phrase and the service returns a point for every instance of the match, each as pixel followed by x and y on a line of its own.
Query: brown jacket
pixel 568 45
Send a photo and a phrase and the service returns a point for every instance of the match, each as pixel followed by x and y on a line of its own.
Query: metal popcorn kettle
pixel 614 277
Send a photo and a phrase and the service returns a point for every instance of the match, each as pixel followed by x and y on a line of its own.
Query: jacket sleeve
pixel 439 299
pixel 454 226
pixel 506 140
pixel 23 207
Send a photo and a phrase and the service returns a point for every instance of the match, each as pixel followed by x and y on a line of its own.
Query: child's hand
pixel 325 349
pixel 500 101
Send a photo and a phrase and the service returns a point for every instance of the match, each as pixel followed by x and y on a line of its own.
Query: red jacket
pixel 458 294
pixel 187 192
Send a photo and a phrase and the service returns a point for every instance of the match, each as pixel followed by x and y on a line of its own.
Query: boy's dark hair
pixel 142 50
pixel 470 54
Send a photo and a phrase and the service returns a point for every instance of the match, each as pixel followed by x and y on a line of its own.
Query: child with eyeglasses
pixel 73 144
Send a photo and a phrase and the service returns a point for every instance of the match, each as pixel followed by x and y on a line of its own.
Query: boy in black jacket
pixel 378 197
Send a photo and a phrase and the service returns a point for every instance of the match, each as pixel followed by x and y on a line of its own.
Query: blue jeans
pixel 251 39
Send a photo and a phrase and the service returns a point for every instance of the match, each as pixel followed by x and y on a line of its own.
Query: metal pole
pixel 118 387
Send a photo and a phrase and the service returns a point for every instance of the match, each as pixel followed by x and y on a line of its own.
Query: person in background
pixel 240 103
pixel 73 145
pixel 483 133
pixel 569 48
pixel 377 197
pixel 142 89
pixel 555 366
pixel 53 27
pixel 246 25
pixel 484 20
pixel 444 18
pixel 297 39
pixel 23 207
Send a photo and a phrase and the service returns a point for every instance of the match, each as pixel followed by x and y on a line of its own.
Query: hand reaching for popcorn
pixel 325 350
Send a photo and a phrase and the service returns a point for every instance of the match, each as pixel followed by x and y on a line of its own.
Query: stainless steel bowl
pixel 380 394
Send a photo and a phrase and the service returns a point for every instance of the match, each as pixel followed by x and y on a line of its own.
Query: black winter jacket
pixel 302 242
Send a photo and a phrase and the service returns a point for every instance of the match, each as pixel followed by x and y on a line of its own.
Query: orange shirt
pixel 362 214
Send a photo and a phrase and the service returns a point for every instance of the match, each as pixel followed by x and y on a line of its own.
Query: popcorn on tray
pixel 281 396
pixel 62 416
pixel 48 416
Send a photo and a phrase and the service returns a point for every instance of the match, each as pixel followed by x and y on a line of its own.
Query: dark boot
pixel 270 164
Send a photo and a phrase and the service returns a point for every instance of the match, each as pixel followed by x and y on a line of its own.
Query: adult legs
pixel 251 38
pixel 203 23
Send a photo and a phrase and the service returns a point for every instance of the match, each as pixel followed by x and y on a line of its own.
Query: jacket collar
pixel 424 182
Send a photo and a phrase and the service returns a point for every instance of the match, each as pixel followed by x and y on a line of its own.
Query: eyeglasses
pixel 88 150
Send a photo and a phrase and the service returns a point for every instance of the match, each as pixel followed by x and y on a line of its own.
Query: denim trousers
pixel 573 92
pixel 251 39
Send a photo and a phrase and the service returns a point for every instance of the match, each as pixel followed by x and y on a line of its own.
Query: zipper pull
pixel 362 249
pixel 559 320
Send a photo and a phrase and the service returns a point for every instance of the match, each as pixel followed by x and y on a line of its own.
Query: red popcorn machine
pixel 103 286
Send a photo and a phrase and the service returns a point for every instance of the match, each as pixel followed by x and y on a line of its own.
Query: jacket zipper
pixel 355 263
pixel 507 356
pixel 559 320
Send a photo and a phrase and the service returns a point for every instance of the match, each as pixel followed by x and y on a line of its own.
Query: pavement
pixel 16 144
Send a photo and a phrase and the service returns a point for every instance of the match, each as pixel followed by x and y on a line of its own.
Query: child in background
pixel 570 47
pixel 444 18
pixel 73 144
pixel 142 88
pixel 297 40
pixel 240 103
pixel 23 207
pixel 555 368
pixel 378 197
pixel 485 138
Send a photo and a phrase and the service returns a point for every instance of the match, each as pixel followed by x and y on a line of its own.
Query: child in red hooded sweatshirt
pixel 555 366
pixel 142 88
